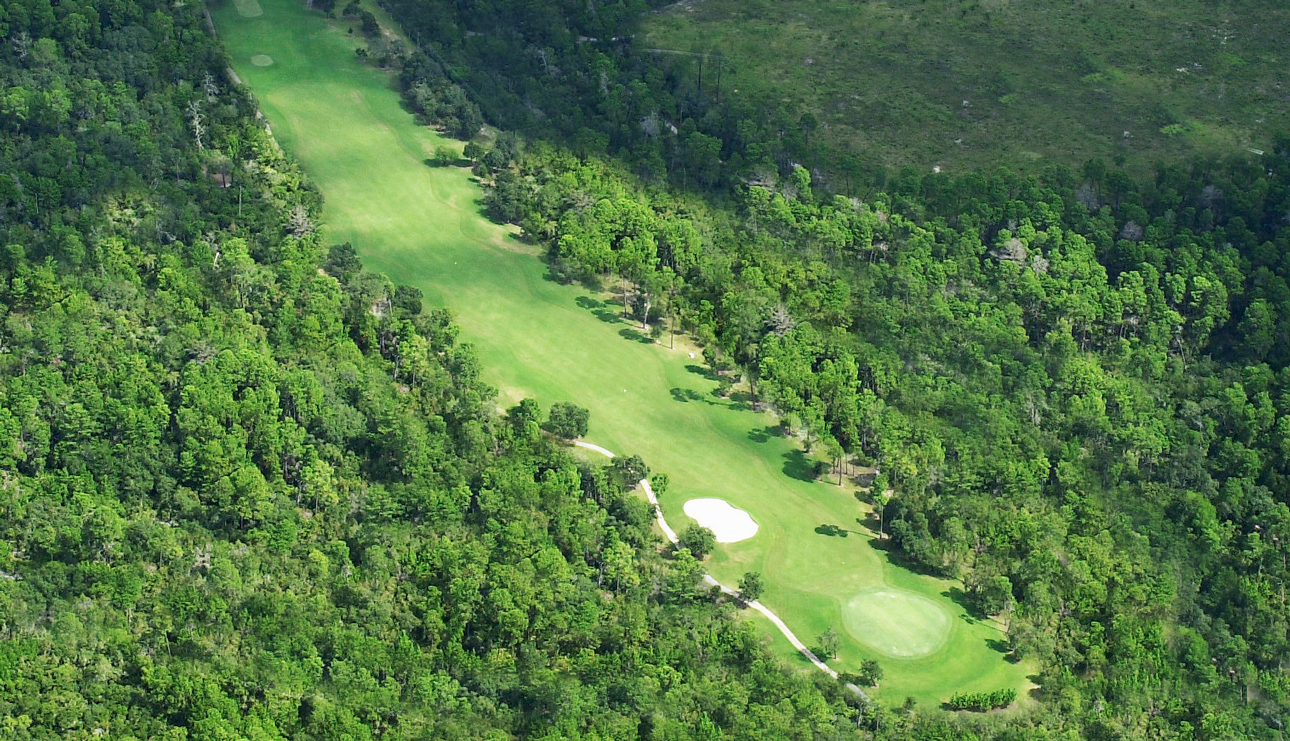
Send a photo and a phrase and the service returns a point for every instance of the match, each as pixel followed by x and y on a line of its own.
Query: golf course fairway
pixel 421 225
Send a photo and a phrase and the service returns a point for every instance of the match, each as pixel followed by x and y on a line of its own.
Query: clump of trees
pixel 982 701
pixel 568 421
pixel 698 540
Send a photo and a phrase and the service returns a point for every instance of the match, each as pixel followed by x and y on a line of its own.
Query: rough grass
pixel 421 225
pixel 978 83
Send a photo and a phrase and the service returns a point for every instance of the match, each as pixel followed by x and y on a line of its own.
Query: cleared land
pixel 421 225
pixel 975 84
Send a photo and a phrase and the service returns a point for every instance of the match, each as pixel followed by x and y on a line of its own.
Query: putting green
pixel 896 623
pixel 421 225
pixel 248 8
pixel 261 60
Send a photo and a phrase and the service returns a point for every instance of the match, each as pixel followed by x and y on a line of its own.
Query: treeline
pixel 250 491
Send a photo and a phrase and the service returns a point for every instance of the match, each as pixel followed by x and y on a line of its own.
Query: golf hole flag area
pixel 421 225
pixel 728 524
pixel 896 623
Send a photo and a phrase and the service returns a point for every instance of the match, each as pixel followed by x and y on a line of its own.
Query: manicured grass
pixel 976 84
pixel 896 623
pixel 421 225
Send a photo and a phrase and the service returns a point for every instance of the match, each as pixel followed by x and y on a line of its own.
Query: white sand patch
pixel 729 524
pixel 262 60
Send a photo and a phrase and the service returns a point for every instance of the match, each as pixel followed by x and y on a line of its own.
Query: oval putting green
pixel 261 60
pixel 896 623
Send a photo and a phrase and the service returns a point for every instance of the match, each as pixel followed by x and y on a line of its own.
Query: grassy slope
pixel 1057 79
pixel 421 226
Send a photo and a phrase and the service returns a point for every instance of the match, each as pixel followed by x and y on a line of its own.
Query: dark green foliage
pixel 1062 403
pixel 407 299
pixel 870 672
pixel 445 155
pixel 342 262
pixel 698 540
pixel 250 491
pixel 631 469
pixel 982 701
pixel 751 586
pixel 568 421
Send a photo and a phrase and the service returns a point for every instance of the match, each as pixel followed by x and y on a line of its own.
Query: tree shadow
pixel 870 522
pixel 960 598
pixel 686 396
pixel 833 531
pixel 897 558
pixel 798 466
pixel 1003 648
pixel 631 333
pixel 740 401
pixel 763 435
pixel 702 370
pixel 587 302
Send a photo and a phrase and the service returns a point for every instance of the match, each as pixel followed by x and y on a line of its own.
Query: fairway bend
pixel 711 581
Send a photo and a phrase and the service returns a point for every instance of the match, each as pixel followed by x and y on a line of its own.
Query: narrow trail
pixel 711 580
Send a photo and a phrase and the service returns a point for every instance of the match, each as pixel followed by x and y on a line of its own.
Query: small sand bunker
pixel 261 60
pixel 729 524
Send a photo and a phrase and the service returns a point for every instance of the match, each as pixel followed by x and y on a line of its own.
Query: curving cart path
pixel 708 579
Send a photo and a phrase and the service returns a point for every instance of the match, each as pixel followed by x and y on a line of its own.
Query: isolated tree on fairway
pixel 473 151
pixel 698 540
pixel 828 641
pixel 567 420
pixel 444 155
pixel 751 587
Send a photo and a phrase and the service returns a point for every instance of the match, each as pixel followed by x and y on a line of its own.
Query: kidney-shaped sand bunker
pixel 728 523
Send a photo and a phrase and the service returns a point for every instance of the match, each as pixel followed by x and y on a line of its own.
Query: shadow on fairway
pixel 1002 647
pixel 798 466
pixel 960 598
pixel 630 333
pixel 887 546
pixel 835 531
pixel 740 401
pixel 686 396
pixel 702 370
pixel 764 434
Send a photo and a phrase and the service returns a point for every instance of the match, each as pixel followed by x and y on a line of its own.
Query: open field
pixel 976 84
pixel 422 226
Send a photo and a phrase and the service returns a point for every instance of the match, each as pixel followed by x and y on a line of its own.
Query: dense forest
pixel 1074 382
pixel 251 491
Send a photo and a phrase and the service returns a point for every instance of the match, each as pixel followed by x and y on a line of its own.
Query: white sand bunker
pixel 729 524
pixel 261 60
